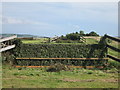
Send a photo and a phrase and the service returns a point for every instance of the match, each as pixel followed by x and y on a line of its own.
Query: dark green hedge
pixel 61 51
pixel 66 62
pixel 55 51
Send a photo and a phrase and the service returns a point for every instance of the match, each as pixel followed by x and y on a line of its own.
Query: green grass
pixel 39 78
pixel 112 52
pixel 78 78
pixel 37 41
pixel 91 41
pixel 42 40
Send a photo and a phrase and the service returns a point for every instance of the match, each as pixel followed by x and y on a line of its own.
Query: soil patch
pixel 76 80
pixel 109 80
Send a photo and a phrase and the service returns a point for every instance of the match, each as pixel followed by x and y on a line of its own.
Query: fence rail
pixel 113 38
pixel 67 58
pixel 114 58
pixel 113 48
pixel 8 38
pixel 7 48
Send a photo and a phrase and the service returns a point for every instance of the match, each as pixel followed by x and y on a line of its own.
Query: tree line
pixel 78 35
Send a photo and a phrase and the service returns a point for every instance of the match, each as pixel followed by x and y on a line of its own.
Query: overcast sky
pixel 50 19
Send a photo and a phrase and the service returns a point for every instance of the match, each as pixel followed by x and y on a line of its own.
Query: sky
pixel 59 18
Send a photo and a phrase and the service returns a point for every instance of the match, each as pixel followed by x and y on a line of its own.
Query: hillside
pixel 21 35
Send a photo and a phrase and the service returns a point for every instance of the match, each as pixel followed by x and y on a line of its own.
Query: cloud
pixel 76 26
pixel 11 20
pixel 95 12
pixel 64 11
pixel 55 16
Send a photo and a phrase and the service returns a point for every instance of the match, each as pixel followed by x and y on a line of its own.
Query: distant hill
pixel 22 35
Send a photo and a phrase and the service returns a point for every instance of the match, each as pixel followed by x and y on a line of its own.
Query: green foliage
pixel 77 36
pixel 8 57
pixel 93 34
pixel 60 51
pixel 63 37
pixel 102 42
pixel 82 33
pixel 18 44
pixel 65 62
pixel 73 36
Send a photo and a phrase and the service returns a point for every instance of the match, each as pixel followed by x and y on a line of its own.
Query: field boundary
pixel 111 47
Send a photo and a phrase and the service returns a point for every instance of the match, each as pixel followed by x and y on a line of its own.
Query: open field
pixel 76 78
pixel 36 41
pixel 112 52
pixel 41 40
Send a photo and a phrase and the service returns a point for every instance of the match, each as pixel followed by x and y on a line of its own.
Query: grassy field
pixel 91 41
pixel 36 41
pixel 76 78
pixel 112 52
pixel 41 40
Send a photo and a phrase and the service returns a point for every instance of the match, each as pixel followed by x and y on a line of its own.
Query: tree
pixel 93 34
pixel 76 33
pixel 82 33
pixel 87 34
pixel 73 36
pixel 63 37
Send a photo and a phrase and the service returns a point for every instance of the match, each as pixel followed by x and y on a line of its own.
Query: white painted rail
pixel 7 48
pixel 8 38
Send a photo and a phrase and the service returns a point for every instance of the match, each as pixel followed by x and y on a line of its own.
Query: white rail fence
pixel 8 46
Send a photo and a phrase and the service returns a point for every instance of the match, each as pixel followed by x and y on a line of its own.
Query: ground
pixel 75 78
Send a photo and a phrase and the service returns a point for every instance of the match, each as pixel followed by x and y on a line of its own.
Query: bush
pixel 93 34
pixel 8 58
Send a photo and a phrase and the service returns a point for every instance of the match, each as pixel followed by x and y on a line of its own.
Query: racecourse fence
pixel 111 47
pixel 73 62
